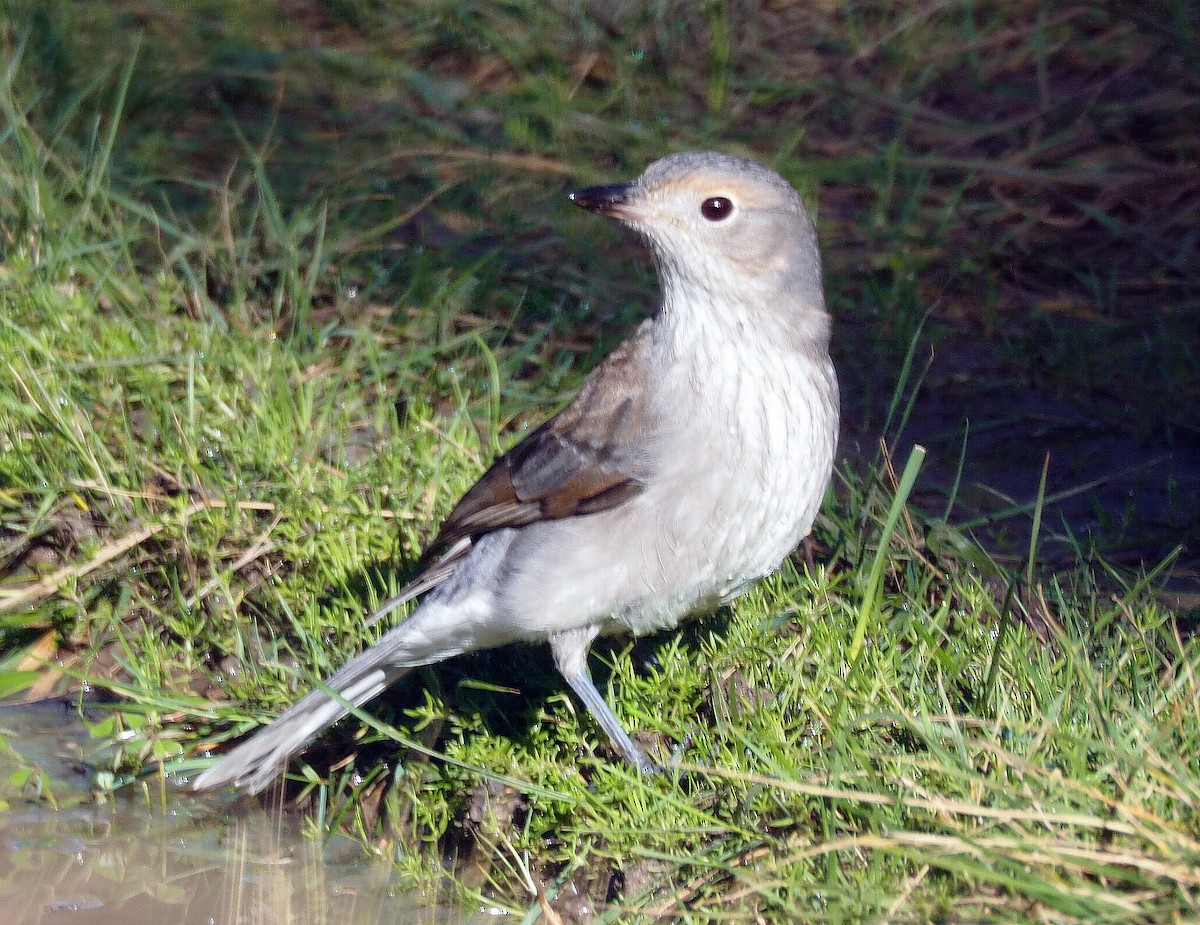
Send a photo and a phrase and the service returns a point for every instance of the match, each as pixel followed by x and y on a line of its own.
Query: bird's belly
pixel 723 509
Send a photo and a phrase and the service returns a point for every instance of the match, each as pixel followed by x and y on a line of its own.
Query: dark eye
pixel 716 208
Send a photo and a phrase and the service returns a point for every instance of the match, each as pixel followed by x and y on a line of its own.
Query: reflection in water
pixel 122 863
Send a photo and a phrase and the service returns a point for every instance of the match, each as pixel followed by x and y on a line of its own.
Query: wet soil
pixel 1115 488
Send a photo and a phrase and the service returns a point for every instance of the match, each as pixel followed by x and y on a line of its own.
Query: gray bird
pixel 692 461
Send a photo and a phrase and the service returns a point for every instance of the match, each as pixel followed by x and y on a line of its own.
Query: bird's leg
pixel 570 650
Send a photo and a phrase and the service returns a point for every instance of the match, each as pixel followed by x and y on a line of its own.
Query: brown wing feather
pixel 586 459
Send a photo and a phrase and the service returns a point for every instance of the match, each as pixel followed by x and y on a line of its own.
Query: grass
pixel 275 289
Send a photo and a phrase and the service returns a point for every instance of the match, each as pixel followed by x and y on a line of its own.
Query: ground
pixel 278 281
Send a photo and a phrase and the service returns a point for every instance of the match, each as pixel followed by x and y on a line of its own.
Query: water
pixel 186 863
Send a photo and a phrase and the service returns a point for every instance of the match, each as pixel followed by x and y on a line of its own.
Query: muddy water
pixel 183 863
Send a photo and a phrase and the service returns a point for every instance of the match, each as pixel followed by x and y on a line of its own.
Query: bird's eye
pixel 716 208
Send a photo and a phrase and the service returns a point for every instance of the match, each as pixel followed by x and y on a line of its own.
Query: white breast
pixel 740 465
pixel 755 457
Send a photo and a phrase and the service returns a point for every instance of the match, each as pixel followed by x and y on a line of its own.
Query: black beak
pixel 605 200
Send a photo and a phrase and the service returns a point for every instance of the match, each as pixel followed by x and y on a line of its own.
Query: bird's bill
pixel 605 200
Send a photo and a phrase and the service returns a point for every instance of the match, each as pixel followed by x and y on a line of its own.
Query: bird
pixel 692 462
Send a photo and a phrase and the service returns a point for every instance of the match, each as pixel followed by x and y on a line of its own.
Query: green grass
pixel 269 304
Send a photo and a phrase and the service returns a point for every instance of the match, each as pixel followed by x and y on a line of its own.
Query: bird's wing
pixel 427 580
pixel 587 458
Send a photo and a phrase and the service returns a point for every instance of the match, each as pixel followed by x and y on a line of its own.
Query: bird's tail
pixel 260 759
pixel 442 627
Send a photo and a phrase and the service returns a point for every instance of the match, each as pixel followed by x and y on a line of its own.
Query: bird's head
pixel 724 229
